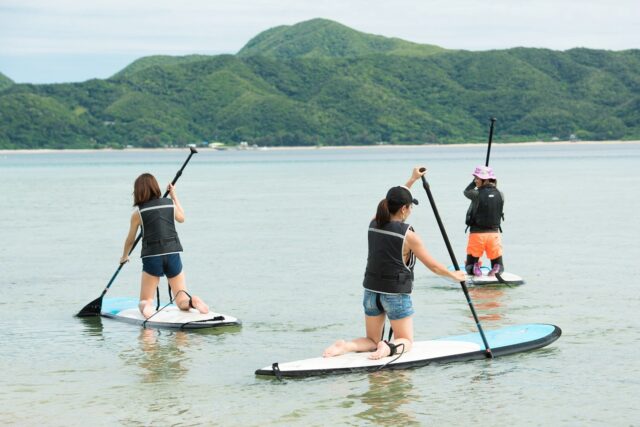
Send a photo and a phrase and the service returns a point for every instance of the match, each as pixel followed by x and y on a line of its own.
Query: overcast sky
pixel 45 41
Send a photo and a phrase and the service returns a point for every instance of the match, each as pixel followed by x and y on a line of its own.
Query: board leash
pixel 144 324
pixel 504 282
pixel 182 326
pixel 394 359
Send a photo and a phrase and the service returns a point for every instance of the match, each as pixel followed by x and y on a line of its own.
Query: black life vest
pixel 159 235
pixel 488 209
pixel 386 270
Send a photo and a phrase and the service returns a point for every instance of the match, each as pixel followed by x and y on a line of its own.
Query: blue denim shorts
pixel 161 265
pixel 397 306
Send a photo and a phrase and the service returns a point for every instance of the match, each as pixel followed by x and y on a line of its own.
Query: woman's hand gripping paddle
pixel 94 307
pixel 425 184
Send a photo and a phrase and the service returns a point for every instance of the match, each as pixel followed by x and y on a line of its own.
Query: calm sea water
pixel 278 239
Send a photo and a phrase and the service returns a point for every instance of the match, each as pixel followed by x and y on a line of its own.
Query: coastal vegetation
pixel 5 82
pixel 321 83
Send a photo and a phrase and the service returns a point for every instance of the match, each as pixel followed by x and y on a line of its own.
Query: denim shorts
pixel 161 265
pixel 397 306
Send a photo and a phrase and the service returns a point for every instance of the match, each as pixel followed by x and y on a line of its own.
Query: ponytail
pixel 382 213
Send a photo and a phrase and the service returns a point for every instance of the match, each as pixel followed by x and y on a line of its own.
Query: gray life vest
pixel 386 270
pixel 159 235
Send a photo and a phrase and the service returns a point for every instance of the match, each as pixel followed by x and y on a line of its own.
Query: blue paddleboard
pixel 458 348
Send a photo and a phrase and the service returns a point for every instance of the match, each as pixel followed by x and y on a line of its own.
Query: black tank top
pixel 386 270
pixel 159 235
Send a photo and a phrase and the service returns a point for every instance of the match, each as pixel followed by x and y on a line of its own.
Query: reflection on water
pixel 487 302
pixel 486 371
pixel 388 399
pixel 161 355
pixel 92 326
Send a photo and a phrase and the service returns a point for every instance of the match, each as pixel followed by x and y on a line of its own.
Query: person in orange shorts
pixel 483 221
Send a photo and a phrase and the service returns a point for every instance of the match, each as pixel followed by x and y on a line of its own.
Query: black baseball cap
pixel 400 195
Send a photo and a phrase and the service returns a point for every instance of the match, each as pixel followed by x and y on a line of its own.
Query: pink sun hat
pixel 484 172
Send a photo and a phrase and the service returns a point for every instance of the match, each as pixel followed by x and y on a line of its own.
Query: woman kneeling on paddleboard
pixel 483 221
pixel 388 280
pixel 160 244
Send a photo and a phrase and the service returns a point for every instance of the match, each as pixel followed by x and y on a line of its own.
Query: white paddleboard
pixel 504 341
pixel 126 310
pixel 509 279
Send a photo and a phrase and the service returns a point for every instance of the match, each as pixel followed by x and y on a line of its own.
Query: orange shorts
pixel 479 243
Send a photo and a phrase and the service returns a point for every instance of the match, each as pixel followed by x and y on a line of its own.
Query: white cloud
pixel 148 27
pixel 166 26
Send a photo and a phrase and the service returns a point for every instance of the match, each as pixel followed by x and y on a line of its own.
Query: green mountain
pixel 277 91
pixel 157 61
pixel 325 38
pixel 5 82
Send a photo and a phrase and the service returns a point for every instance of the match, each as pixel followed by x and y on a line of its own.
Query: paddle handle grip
pixel 493 121
pixel 179 173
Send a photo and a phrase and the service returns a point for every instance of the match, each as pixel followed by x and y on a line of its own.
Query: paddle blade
pixel 92 309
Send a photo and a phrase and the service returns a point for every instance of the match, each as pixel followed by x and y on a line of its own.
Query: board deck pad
pixel 485 279
pixel 125 309
pixel 504 341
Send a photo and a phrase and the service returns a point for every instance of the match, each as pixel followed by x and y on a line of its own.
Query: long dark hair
pixel 145 188
pixel 384 212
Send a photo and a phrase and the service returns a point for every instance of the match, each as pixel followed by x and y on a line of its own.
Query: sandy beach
pixel 324 147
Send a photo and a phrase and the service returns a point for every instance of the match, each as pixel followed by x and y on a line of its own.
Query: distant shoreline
pixel 324 147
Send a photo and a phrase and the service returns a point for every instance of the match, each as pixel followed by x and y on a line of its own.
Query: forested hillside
pixel 319 82
pixel 5 82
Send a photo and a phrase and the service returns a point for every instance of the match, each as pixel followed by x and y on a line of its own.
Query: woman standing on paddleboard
pixel 160 244
pixel 483 220
pixel 388 280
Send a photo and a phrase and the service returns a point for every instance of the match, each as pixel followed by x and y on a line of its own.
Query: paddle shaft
pixel 135 243
pixel 493 121
pixel 425 184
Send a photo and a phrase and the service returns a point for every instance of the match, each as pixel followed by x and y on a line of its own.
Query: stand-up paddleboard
pixel 504 341
pixel 126 310
pixel 503 279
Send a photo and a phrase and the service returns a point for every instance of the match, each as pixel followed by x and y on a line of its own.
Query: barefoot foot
pixel 336 349
pixel 383 350
pixel 146 308
pixel 199 305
